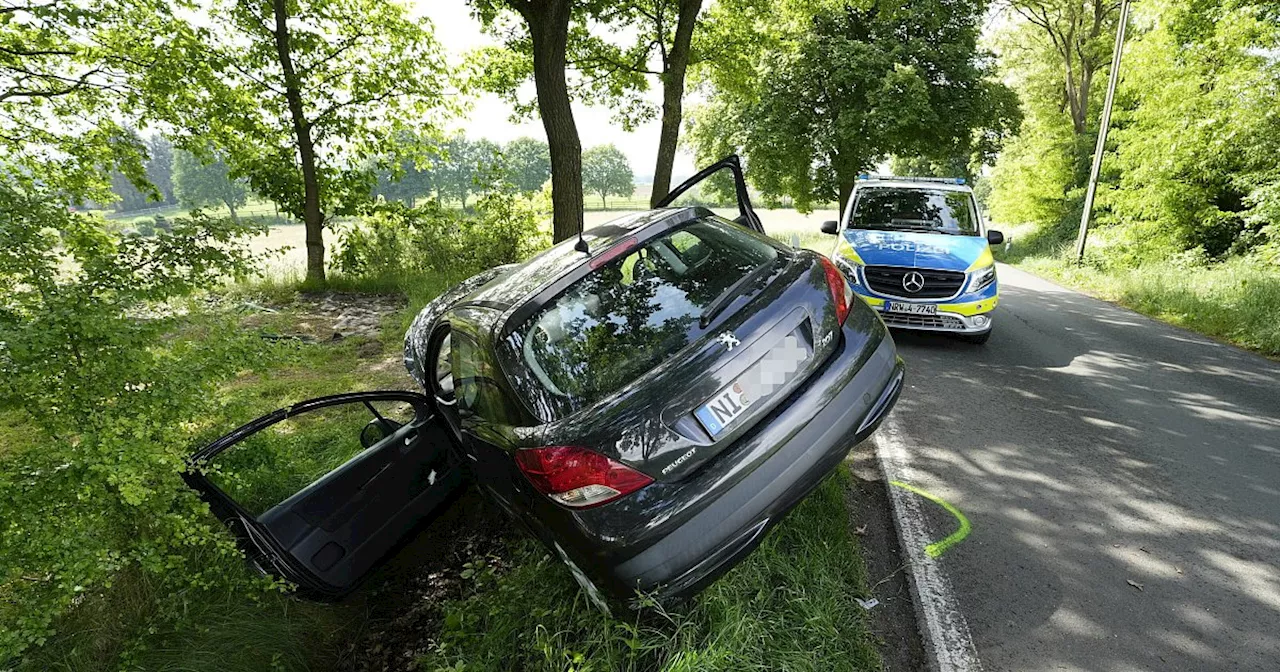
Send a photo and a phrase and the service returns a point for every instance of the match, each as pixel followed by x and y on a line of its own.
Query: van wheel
pixel 977 339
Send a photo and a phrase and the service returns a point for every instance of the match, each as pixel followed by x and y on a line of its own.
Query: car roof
pixel 912 184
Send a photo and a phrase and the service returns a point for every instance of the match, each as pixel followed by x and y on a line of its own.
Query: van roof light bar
pixel 938 180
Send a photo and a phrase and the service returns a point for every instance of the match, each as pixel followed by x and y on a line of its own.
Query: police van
pixel 918 251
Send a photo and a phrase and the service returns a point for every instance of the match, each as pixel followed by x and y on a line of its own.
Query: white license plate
pixel 911 308
pixel 724 408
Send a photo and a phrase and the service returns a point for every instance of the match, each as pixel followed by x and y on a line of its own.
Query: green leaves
pixel 1190 165
pixel 91 356
pixel 605 171
pixel 838 88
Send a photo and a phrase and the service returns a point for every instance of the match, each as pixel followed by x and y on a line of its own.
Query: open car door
pixel 746 215
pixel 319 492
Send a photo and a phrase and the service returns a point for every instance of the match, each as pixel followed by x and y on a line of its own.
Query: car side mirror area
pixel 830 227
pixel 994 237
pixel 376 431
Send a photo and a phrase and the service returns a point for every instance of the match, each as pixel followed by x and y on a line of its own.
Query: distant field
pixel 778 223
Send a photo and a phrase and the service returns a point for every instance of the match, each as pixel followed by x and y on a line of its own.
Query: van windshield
pixel 915 209
pixel 631 314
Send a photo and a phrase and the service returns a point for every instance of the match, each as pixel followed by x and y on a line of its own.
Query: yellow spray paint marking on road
pixel 939 547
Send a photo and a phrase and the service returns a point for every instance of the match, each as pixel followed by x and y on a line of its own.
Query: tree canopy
pixel 528 163
pixel 605 171
pixel 297 95
pixel 843 87
pixel 199 183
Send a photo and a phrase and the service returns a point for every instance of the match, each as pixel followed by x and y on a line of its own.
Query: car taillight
pixel 578 477
pixel 841 292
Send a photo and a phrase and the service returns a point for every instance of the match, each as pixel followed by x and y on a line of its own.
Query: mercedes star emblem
pixel 913 282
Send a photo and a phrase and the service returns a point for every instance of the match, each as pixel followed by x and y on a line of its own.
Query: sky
pixel 489 117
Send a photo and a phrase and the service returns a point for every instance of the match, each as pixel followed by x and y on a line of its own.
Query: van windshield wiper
pixel 735 290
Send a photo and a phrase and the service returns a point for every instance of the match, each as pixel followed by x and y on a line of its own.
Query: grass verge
pixel 133 624
pixel 1236 300
pixel 789 606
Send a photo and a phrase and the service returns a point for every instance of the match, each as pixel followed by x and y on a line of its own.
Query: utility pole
pixel 1103 127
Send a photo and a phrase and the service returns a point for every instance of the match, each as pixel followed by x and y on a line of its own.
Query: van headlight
pixel 849 269
pixel 982 278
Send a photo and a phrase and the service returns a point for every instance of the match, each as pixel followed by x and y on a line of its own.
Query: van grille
pixel 938 321
pixel 888 280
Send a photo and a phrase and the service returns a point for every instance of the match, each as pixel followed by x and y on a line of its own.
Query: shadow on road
pixel 1123 478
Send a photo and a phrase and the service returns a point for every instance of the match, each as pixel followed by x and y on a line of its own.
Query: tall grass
pixel 789 606
pixel 1237 300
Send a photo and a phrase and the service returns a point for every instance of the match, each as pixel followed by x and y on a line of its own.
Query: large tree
pixel 544 36
pixel 661 45
pixel 527 162
pixel 606 171
pixel 1080 33
pixel 845 86
pixel 299 96
pixel 202 181
pixel 613 50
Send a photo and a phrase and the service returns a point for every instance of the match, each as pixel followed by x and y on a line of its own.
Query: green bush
pixel 110 391
pixel 395 242
pixel 145 226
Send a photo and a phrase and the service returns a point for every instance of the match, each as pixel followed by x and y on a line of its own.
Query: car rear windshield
pixel 915 209
pixel 632 313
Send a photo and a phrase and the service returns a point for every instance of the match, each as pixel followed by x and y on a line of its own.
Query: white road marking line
pixel 944 629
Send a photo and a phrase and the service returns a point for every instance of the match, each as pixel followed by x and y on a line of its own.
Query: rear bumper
pixel 677 554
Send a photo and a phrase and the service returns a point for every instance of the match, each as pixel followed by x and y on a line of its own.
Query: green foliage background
pixel 1190 167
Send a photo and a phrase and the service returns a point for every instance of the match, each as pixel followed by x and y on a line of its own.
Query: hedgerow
pixel 113 387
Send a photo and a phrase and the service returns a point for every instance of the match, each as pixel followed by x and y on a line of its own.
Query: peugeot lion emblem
pixel 913 282
pixel 728 339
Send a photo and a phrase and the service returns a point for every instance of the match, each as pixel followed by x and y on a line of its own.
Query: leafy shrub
pixel 115 391
pixel 396 241
pixel 145 226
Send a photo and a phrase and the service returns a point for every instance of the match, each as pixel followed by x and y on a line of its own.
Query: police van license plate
pixel 911 308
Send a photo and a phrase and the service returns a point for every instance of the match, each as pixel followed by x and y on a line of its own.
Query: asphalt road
pixel 1091 447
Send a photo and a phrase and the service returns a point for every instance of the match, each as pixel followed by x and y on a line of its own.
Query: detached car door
pixel 319 492
pixel 728 168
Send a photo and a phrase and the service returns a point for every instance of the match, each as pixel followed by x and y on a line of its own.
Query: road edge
pixel 943 628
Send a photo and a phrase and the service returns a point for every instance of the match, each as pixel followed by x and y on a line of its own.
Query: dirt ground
pixel 893 620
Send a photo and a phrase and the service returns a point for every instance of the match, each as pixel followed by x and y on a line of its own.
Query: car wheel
pixel 978 339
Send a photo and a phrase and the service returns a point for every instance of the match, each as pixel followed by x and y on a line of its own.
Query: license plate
pixel 724 408
pixel 911 308
pixel 768 375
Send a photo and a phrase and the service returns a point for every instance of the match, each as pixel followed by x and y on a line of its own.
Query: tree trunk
pixel 673 99
pixel 604 201
pixel 231 206
pixel 846 189
pixel 312 217
pixel 549 27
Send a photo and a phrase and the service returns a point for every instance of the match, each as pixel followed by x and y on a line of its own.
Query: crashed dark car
pixel 648 402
